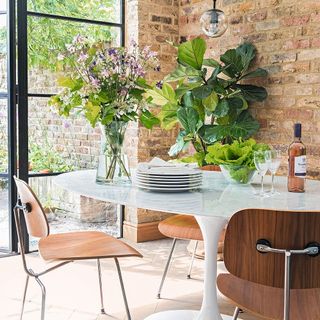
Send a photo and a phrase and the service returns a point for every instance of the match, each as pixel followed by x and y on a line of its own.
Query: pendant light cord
pixel 214 4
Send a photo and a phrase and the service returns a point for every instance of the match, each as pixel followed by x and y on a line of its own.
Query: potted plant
pixel 107 86
pixel 209 99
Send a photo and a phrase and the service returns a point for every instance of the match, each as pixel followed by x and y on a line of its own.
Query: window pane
pixel 57 144
pixel 3 53
pixel 48 38
pixel 102 10
pixel 3 5
pixel 4 206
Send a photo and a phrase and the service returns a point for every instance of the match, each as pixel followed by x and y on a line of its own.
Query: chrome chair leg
pixel 192 259
pixel 43 299
pixel 122 289
pixel 24 296
pixel 166 267
pixel 100 287
pixel 236 313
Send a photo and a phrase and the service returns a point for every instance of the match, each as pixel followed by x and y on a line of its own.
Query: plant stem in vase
pixel 113 165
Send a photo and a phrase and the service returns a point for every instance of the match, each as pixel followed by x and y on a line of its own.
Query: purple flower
pixel 112 52
pixel 159 84
pixel 66 124
pixel 157 68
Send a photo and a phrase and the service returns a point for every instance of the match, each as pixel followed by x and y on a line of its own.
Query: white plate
pixel 170 171
pixel 169 181
pixel 169 176
pixel 168 189
pixel 198 184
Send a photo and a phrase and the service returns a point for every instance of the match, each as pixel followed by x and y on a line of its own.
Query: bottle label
pixel 300 166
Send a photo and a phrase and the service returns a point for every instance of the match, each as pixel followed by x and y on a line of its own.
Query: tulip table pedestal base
pixel 181 315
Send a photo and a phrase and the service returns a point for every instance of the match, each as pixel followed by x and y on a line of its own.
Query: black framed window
pixel 41 29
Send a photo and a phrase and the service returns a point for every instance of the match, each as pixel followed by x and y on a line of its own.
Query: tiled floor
pixel 72 291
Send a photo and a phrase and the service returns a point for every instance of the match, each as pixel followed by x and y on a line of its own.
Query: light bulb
pixel 214 23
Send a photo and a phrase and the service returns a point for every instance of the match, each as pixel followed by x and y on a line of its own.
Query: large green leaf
pixel 222 108
pixel 71 83
pixel 202 92
pixel 191 53
pixel 244 127
pixel 255 74
pixel 252 93
pixel 233 63
pixel 210 102
pixel 185 87
pixel 179 145
pixel 247 52
pixel 92 113
pixel 148 119
pixel 190 101
pixel 168 116
pixel 189 119
pixel 162 96
pixel 211 63
pixel 183 72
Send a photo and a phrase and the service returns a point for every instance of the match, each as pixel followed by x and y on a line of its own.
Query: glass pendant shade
pixel 214 23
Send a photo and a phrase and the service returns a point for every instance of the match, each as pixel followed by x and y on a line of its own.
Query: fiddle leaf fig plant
pixel 208 98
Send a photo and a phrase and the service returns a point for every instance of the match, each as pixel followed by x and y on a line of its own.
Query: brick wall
pixel 286 34
pixel 152 23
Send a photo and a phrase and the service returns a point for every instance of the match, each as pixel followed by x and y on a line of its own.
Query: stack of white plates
pixel 168 179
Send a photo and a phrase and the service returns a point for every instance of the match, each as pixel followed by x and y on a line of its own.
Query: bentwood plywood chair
pixel 183 227
pixel 273 260
pixel 65 247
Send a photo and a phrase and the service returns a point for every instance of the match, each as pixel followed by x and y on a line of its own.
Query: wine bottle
pixel 297 162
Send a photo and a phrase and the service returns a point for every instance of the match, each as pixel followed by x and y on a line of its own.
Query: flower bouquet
pixel 107 86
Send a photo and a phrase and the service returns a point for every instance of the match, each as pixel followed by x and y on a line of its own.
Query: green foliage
pixel 236 158
pixel 44 157
pixel 48 37
pixel 238 153
pixel 208 98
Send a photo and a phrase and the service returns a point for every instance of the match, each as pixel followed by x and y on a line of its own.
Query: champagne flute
pixel 262 165
pixel 274 159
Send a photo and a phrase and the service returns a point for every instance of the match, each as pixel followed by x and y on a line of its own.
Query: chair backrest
pixel 284 230
pixel 36 220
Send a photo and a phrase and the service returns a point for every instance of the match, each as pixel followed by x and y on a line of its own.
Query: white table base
pixel 211 228
pixel 180 315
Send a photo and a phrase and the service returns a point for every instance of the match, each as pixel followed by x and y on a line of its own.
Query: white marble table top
pixel 216 198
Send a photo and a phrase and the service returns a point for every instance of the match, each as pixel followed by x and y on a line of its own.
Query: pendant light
pixel 214 22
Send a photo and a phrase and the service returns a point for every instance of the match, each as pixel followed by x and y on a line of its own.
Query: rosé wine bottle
pixel 297 162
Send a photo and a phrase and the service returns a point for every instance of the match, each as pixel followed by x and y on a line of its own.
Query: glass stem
pixel 262 189
pixel 272 183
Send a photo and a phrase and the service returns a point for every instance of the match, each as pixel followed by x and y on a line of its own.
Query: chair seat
pixel 267 301
pixel 83 245
pixel 181 227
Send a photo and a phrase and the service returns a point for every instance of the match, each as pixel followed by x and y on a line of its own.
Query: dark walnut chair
pixel 184 227
pixel 272 257
pixel 65 247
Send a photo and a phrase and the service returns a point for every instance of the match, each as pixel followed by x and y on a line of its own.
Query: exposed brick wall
pixel 286 34
pixel 152 23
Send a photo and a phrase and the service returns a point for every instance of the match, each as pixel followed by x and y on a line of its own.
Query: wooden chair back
pixel 36 220
pixel 284 230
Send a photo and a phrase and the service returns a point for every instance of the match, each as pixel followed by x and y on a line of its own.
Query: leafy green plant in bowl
pixel 239 174
pixel 235 159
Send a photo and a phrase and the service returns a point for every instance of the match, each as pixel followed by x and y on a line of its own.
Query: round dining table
pixel 212 205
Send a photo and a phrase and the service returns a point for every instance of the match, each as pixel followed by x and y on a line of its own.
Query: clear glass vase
pixel 113 165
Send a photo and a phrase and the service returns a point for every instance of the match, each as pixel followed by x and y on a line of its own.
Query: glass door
pixel 8 242
pixel 47 143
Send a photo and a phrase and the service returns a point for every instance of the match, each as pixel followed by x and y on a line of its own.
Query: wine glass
pixel 262 165
pixel 274 159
